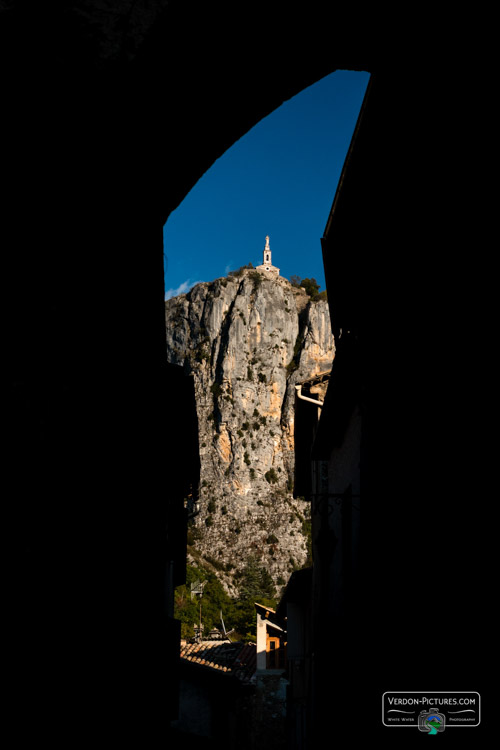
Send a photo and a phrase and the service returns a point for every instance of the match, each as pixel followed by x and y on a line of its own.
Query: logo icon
pixel 431 722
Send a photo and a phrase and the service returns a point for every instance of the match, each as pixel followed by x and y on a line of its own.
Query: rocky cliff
pixel 247 340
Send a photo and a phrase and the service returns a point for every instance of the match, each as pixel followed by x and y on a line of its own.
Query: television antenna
pixel 197 590
pixel 227 633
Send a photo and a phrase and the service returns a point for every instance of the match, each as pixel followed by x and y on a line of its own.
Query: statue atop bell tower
pixel 267 265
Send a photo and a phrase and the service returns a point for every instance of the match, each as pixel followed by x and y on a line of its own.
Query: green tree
pixel 271 476
pixel 213 601
pixel 311 286
pixel 255 585
pixel 186 608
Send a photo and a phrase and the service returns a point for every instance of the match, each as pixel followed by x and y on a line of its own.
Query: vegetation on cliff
pixel 254 585
pixel 310 286
pixel 247 340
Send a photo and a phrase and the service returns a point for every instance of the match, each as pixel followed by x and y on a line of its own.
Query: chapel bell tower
pixel 267 265
pixel 267 253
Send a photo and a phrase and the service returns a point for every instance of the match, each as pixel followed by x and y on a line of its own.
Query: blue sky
pixel 278 180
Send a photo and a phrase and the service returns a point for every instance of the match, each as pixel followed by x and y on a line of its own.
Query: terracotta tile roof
pixel 238 659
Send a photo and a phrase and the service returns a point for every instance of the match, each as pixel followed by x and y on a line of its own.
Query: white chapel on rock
pixel 267 265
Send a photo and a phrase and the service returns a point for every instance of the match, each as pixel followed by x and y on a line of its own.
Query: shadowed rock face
pixel 247 341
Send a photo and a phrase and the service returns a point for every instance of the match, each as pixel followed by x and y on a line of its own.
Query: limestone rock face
pixel 247 340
